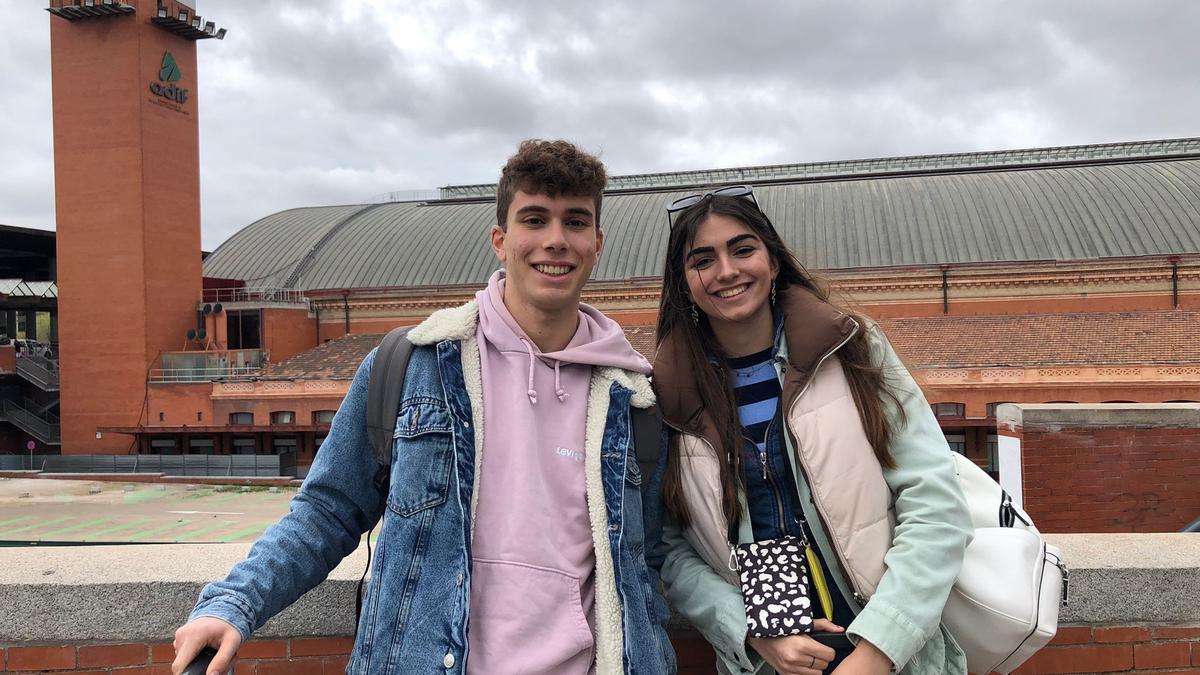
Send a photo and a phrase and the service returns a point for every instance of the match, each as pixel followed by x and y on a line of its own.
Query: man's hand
pixel 797 654
pixel 866 659
pixel 206 632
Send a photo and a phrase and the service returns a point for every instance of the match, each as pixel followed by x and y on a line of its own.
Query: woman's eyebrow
pixel 732 242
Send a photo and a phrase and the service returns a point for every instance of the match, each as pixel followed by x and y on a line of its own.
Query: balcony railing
pixel 266 295
pixel 234 364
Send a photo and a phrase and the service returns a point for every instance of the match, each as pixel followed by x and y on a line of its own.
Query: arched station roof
pixel 1071 203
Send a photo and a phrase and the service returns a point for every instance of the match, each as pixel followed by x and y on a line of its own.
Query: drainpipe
pixel 346 309
pixel 1175 281
pixel 317 311
pixel 945 289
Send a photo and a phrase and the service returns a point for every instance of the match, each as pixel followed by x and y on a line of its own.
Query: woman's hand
pixel 797 654
pixel 866 659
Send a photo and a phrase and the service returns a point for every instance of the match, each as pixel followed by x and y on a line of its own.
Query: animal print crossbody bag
pixel 776 586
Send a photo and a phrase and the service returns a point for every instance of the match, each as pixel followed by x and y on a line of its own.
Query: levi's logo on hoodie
pixel 569 453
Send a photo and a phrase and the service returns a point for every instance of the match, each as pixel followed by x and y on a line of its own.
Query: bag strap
pixel 383 404
pixel 384 389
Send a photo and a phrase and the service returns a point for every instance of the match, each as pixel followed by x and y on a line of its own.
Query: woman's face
pixel 729 272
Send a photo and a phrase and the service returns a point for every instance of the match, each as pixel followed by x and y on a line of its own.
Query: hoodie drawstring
pixel 558 390
pixel 532 393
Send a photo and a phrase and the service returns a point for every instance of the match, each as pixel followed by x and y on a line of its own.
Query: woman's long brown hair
pixel 705 358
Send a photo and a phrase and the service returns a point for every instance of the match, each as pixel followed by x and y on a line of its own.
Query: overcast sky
pixel 315 102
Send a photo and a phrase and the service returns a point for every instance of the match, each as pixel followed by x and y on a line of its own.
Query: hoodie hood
pixel 598 340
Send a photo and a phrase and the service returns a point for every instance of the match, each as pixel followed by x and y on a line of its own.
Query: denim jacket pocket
pixel 633 472
pixel 422 448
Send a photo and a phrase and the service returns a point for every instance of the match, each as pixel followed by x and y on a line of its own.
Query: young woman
pixel 791 417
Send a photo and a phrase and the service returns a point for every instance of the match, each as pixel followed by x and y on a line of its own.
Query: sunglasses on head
pixel 691 200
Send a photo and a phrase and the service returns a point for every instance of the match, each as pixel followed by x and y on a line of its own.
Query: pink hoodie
pixel 532 558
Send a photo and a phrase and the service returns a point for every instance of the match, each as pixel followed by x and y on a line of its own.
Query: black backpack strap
pixel 647 435
pixel 384 389
pixel 383 404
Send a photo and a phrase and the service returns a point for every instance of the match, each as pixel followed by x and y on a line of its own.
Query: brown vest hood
pixel 812 328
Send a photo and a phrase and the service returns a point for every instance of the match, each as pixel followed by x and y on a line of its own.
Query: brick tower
pixel 127 191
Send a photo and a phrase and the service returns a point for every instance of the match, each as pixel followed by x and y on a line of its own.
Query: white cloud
pixel 313 102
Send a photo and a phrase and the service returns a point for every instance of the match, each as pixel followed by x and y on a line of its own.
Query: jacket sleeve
pixel 337 503
pixel 933 527
pixel 709 602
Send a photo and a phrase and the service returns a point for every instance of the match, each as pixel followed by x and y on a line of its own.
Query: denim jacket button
pixel 459 581
pixel 448 661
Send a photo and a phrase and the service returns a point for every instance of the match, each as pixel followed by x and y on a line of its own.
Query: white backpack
pixel 1004 604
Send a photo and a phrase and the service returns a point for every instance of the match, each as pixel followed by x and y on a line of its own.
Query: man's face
pixel 549 250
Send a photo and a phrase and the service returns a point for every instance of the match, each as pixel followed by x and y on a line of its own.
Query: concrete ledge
pixel 1058 416
pixel 143 593
pixel 270 481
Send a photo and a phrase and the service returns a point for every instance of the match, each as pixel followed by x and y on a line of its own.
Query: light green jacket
pixel 932 530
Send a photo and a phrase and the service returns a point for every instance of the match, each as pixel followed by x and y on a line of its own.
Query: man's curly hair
pixel 552 168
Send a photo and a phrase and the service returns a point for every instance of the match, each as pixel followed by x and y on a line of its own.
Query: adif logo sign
pixel 168 72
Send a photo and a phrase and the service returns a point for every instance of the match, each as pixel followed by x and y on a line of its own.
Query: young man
pixel 513 521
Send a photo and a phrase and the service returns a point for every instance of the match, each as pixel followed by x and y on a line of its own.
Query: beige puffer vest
pixel 832 450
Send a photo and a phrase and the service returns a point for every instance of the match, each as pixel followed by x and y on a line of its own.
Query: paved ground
pixel 66 510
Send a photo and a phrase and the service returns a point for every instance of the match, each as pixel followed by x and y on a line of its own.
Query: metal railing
pixel 214 374
pixel 39 370
pixel 234 364
pixel 252 294
pixel 260 466
pixel 45 430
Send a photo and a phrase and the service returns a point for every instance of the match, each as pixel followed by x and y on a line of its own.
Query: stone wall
pixel 1108 467
pixel 113 609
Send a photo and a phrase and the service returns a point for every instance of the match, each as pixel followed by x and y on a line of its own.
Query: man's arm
pixel 338 502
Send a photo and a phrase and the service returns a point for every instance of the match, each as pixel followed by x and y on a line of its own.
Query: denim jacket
pixel 414 615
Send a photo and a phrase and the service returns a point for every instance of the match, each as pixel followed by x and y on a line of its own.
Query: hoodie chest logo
pixel 574 455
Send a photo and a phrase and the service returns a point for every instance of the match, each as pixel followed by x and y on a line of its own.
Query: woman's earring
pixel 695 314
pixel 772 292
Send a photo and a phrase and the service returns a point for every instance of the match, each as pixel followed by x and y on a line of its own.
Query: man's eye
pixel 578 224
pixel 533 220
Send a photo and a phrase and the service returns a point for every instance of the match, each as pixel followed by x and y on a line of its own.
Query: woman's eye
pixel 744 251
pixel 701 263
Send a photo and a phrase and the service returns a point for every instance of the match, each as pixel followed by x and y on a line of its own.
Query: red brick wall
pixel 1111 479
pixel 1171 649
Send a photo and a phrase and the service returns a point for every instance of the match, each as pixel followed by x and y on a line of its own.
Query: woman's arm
pixel 933 527
pixel 707 601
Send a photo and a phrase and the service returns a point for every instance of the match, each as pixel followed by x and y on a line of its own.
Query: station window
pixel 163 446
pixel 991 407
pixel 283 417
pixel 241 418
pixel 201 446
pixel 282 444
pixel 958 443
pixel 243 445
pixel 323 416
pixel 942 410
pixel 244 329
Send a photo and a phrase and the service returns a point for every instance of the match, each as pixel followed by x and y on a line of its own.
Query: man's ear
pixel 498 242
pixel 599 241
